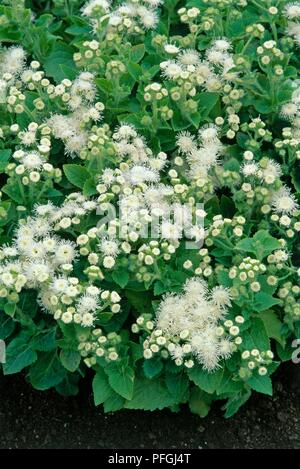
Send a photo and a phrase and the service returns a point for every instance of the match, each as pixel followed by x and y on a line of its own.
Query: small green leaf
pixel 70 359
pixel 235 402
pixel 152 367
pixel 121 277
pixel 76 174
pixel 199 402
pixel 137 53
pixel 4 159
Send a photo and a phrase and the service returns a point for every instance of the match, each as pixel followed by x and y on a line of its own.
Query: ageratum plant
pixel 150 198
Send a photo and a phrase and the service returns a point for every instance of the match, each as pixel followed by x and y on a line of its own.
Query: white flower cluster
pixel 292 13
pixel 188 70
pixel 41 259
pixel 142 195
pixel 202 155
pixel 133 16
pixel 291 111
pixel 71 128
pixel 12 62
pixel 192 325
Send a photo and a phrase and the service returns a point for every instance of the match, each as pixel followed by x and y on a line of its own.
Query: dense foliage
pixel 149 214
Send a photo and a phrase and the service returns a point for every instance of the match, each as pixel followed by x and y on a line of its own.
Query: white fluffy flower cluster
pixel 192 325
pixel 133 16
pixel 71 127
pixel 292 13
pixel 202 154
pixel 291 110
pixel 187 69
pixel 142 194
pixel 41 259
pixel 12 62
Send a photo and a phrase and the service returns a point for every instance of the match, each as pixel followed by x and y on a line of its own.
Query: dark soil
pixel 32 419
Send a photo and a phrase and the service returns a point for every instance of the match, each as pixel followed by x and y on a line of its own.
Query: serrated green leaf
pixel 76 174
pixel 199 402
pixel 121 379
pixel 121 277
pixel 261 384
pixel 70 359
pixel 208 382
pixel 101 389
pixel 150 395
pixel 19 355
pixel 46 372
pixel 152 367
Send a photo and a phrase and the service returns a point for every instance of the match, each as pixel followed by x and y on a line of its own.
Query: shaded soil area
pixel 33 419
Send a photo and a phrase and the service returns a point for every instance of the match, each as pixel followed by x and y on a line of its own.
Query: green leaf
pixel 152 367
pixel 101 389
pixel 263 301
pixel 137 53
pixel 121 379
pixel 46 372
pixel 4 158
pixel 89 187
pixel 228 385
pixel 7 326
pixel 19 355
pixel 231 165
pixel 256 336
pixel 261 384
pixel 76 174
pixel 104 85
pixel 121 277
pixel 208 382
pixel 235 402
pixel 13 192
pixel 10 309
pixel 262 244
pixel 141 301
pixel 178 386
pixel 150 395
pixel 206 102
pixel 69 385
pixel 114 403
pixel 70 359
pixel 45 340
pixel 273 326
pixel 199 402
pixel 61 54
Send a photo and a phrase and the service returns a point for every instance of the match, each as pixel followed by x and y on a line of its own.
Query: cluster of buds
pixel 269 54
pixel 247 272
pixel 255 361
pixel 96 345
pixel 289 293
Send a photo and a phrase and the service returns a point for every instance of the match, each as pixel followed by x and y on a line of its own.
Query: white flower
pixel 249 169
pixel 65 252
pixel 292 10
pixel 189 57
pixel 171 49
pixel 185 142
pixel 109 247
pixel 283 201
